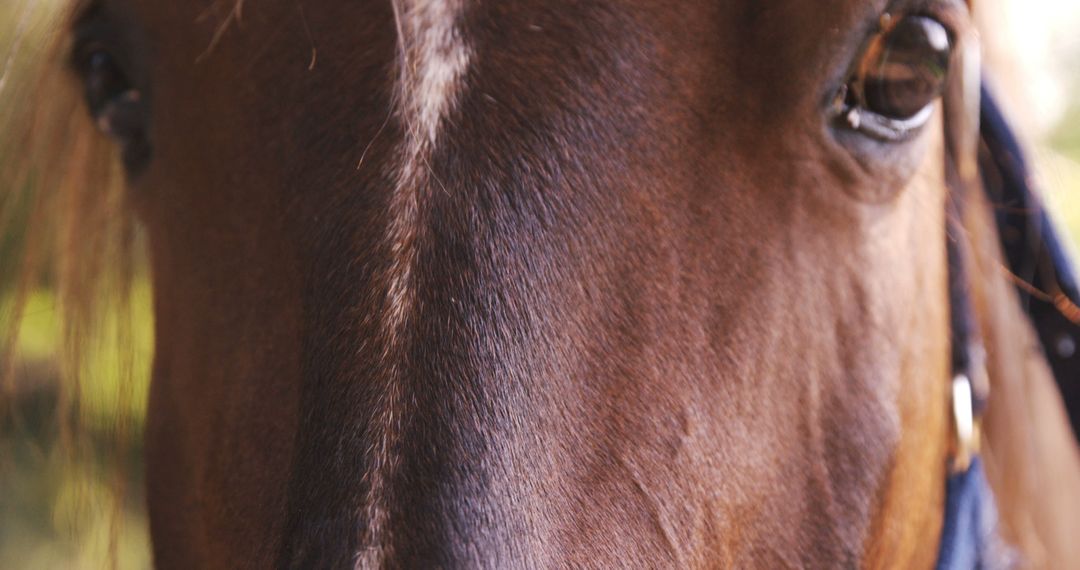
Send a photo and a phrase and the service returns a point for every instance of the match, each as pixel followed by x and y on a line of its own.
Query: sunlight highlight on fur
pixel 433 59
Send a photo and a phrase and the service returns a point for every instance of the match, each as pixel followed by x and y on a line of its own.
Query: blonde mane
pixel 63 207
pixel 1032 462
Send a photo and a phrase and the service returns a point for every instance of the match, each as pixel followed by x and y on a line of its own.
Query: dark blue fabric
pixel 969 539
pixel 1034 249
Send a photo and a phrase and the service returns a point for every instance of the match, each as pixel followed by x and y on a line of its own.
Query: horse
pixel 450 283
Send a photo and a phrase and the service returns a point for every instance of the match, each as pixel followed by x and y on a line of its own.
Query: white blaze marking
pixel 432 61
pixel 435 58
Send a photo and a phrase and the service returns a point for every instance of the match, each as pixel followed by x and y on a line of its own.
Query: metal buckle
pixel 965 424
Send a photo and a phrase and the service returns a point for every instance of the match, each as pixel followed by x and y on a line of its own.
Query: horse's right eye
pixel 117 106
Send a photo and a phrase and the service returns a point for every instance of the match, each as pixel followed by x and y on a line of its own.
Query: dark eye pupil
pixel 99 60
pixel 905 69
pixel 103 80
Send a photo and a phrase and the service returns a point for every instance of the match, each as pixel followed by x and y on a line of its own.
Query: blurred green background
pixel 59 513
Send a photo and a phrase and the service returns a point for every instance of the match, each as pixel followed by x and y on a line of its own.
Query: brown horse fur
pixel 587 285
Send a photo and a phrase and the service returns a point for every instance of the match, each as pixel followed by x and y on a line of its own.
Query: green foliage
pixel 57 499
pixel 1059 170
pixel 1066 137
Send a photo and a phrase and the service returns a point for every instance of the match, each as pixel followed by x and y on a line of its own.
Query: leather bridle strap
pixel 970 385
pixel 969 537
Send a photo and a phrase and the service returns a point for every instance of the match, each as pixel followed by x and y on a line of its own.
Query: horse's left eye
pixel 905 69
pixel 893 87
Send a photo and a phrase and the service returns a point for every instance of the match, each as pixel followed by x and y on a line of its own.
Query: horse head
pixel 574 284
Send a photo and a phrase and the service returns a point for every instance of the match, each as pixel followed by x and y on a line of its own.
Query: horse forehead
pixel 763 48
pixel 757 54
pixel 775 21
